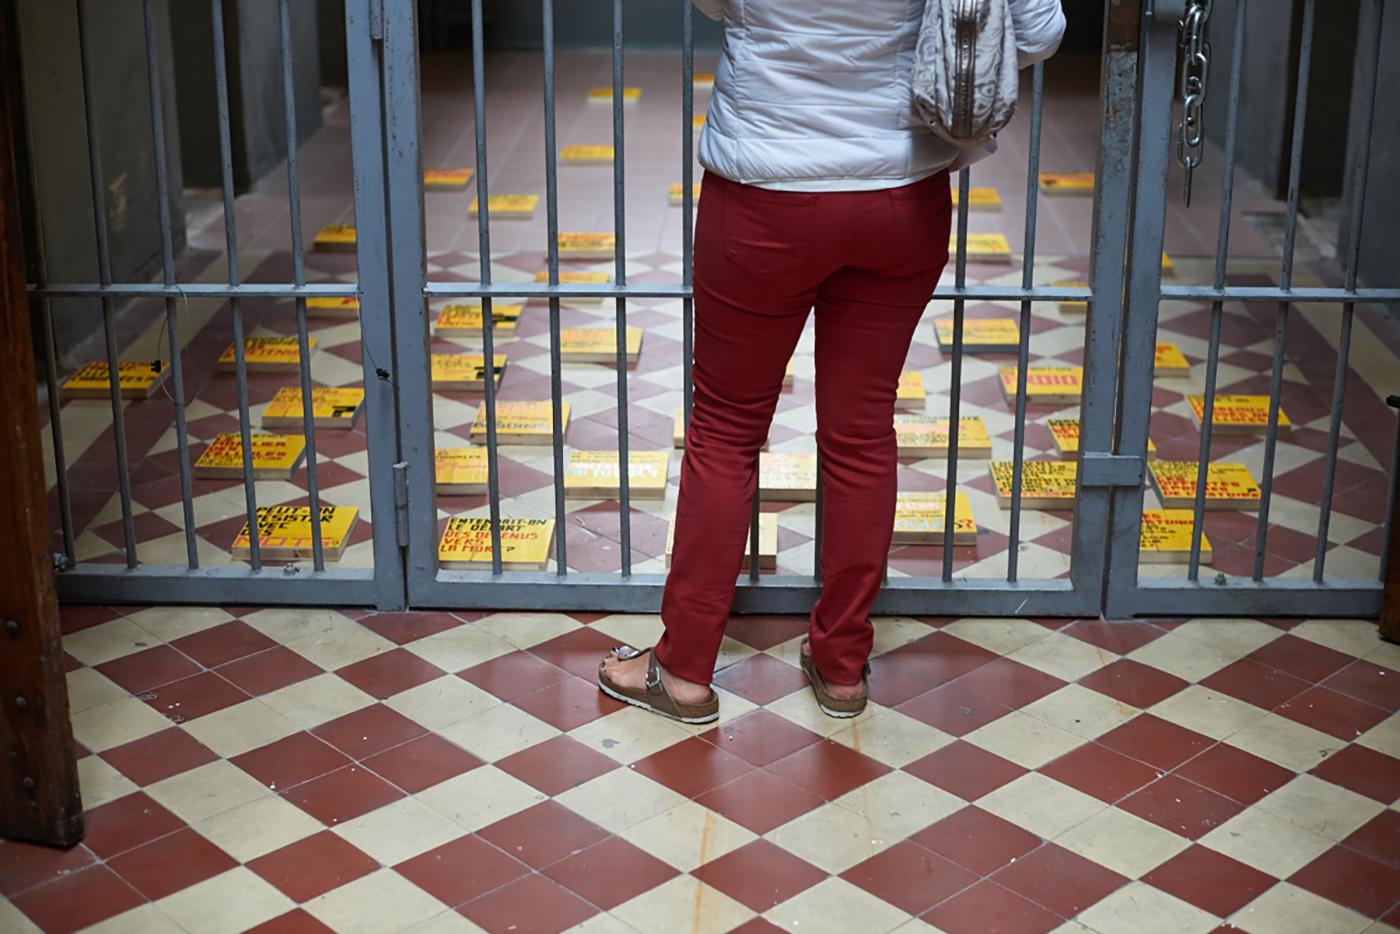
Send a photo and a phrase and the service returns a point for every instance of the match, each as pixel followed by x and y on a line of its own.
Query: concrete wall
pixel 587 24
pixel 1378 266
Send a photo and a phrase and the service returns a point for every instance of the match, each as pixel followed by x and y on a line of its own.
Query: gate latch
pixel 1099 468
pixel 401 503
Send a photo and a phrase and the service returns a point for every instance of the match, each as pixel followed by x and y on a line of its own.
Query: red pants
pixel 867 261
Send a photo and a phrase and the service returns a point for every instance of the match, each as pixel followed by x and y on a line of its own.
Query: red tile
pixel 759 801
pixel 1209 880
pixel 73 619
pixel 160 755
pixel 955 708
pixel 290 761
pixel 1378 838
pixel 343 795
pixel 296 921
pixel 761 679
pixel 78 900
pixel 313 866
pixel 757 926
pixel 568 703
pixel 1238 775
pixel 1180 806
pixel 386 674
pixel 760 737
pixel 1369 682
pixel 1155 741
pixel 989 907
pixel 828 769
pixel 459 871
pixel 26 865
pixel 692 767
pixel 965 770
pixel 1300 658
pixel 1364 771
pixel 1255 684
pixel 910 877
pixel 556 765
pixel 171 863
pixel 1064 882
pixel 219 644
pixel 923 665
pixel 1099 771
pixel 759 875
pixel 1011 684
pixel 1350 879
pixel 193 697
pixel 765 631
pixel 369 730
pixel 422 763
pixel 1133 683
pixel 513 675
pixel 543 834
pixel 1117 637
pixel 403 628
pixel 1332 713
pixel 532 904
pixel 149 668
pixel 609 873
pixel 265 672
pixel 577 652
pixel 127 822
pixel 980 841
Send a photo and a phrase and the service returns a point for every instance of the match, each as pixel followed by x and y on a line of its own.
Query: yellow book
pixel 678 430
pixel 135 380
pixel 1228 486
pixel 587 155
pixel 571 276
pixel 597 345
pixel 521 422
pixel 333 306
pixel 1070 306
pixel 1051 385
pixel 460 471
pixel 979 199
pixel 918 519
pixel 525 544
pixel 788 375
pixel 605 95
pixel 980 335
pixel 1170 361
pixel 501 207
pixel 767 542
pixel 1065 433
pixel 587 245
pixel 335 238
pixel 465 320
pixel 597 475
pixel 275 457
pixel 1067 183
pixel 465 371
pixel 674 194
pixel 285 534
pixel 1165 537
pixel 704 79
pixel 446 179
pixel 1168 267
pixel 983 247
pixel 1044 484
pixel 909 396
pixel 1238 415
pixel 922 436
pixel 331 407
pixel 784 476
pixel 276 354
pixel 697 122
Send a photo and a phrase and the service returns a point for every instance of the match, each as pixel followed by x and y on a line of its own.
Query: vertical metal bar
pixel 104 277
pixel 551 205
pixel 240 366
pixel 289 113
pixel 620 278
pixel 687 196
pixel 817 527
pixel 955 384
pixel 753 535
pixel 60 463
pixel 1391 497
pixel 1024 347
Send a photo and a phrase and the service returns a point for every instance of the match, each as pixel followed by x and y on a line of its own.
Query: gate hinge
pixel 401 503
pixel 376 20
pixel 1099 468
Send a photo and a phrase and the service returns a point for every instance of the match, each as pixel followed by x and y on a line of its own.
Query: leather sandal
pixel 839 707
pixel 653 696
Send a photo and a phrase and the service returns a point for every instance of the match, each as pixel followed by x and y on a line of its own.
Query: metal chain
pixel 1194 50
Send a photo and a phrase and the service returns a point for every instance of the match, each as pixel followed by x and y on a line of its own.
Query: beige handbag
pixel 965 69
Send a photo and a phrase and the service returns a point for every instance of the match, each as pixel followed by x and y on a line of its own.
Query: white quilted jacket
pixel 814 94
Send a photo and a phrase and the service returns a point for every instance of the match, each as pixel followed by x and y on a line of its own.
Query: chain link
pixel 1194 51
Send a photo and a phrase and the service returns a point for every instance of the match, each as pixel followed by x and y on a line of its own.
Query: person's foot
pixel 632 674
pixel 835 688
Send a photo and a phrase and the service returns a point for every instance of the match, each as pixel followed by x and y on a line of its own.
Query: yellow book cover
pixel 597 474
pixel 1065 433
pixel 1059 385
pixel 333 306
pixel 516 207
pixel 922 436
pixel 918 519
pixel 587 245
pixel 597 345
pixel 1071 306
pixel 274 457
pixel 460 471
pixel 465 320
pixel 979 199
pixel 525 544
pixel 587 155
pixel 704 79
pixel 284 532
pixel 1228 485
pixel 1067 183
pixel 446 179
pixel 135 380
pixel 980 335
pixel 909 396
pixel 282 354
pixel 674 194
pixel 521 422
pixel 697 122
pixel 767 542
pixel 569 276
pixel 1168 267
pixel 331 407
pixel 678 430
pixel 983 247
pixel 465 371
pixel 1165 537
pixel 1170 361
pixel 785 476
pixel 788 374
pixel 335 238
pixel 1238 414
pixel 605 95
pixel 1044 484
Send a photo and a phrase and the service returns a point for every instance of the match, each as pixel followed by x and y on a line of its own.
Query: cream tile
pixel 801 708
pixel 1065 657
pixel 1041 805
pixel 446 922
pixel 1123 842
pixel 258 827
pixel 480 797
pixel 832 838
pixel 620 799
pixel 526 630
pixel 1385 654
pixel 1208 712
pixel 345 644
pixel 732 652
pixel 146 919
pixel 1002 636
pixel 1383 737
pixel 399 830
pixel 1292 745
pixel 835 906
pixel 897 804
pixel 893 631
pixel 99 783
pixel 687 836
pixel 442 702
pixel 380 901
pixel 116 722
pixel 107 641
pixel 498 732
pixel 1080 711
pixel 229 902
pixel 683 904
pixel 237 729
pixel 892 738
pixel 317 700
pixel 1353 636
pixel 1023 739
pixel 461 647
pixel 1182 656
pixel 603 924
pixel 635 629
pixel 13 921
pixel 211 789
pixel 1326 809
pixel 1286 907
pixel 1234 637
pixel 1268 843
pixel 87 688
pixel 631 734
pixel 295 623
pixel 1138 908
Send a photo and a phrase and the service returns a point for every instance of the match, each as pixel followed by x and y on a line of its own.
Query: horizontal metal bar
pixel 1101 469
pixel 434 290
pixel 1241 596
pixel 1238 293
pixel 238 584
pixel 195 290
